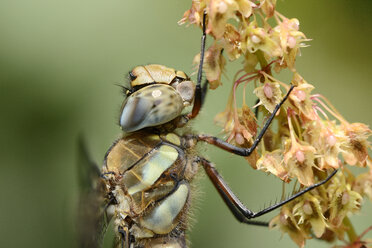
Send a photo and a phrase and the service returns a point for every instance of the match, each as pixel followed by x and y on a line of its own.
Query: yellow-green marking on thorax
pixel 162 218
pixel 173 138
pixel 144 174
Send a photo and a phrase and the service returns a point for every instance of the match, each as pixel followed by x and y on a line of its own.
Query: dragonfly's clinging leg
pixel 241 212
pixel 239 150
pixel 198 98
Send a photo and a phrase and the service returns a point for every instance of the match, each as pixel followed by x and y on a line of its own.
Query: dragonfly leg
pixel 198 98
pixel 241 212
pixel 239 150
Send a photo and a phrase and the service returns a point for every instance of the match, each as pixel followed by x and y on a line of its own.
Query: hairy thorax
pixel 149 177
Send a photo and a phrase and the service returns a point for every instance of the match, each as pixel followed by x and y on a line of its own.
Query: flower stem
pixel 261 59
pixel 350 230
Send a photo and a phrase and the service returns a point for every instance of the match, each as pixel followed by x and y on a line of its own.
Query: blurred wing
pixel 92 221
pixel 118 243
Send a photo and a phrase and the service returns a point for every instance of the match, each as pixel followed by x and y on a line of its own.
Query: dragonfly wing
pixel 92 220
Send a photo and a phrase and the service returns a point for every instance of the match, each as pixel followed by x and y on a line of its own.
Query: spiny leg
pixel 241 212
pixel 239 150
pixel 198 98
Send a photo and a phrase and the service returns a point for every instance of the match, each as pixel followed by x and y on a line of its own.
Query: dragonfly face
pixel 145 186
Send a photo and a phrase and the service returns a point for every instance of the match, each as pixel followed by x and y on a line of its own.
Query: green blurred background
pixel 59 63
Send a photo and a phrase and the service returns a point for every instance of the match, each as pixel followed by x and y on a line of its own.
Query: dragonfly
pixel 145 185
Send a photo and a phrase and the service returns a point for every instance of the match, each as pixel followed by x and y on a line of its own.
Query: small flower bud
pixel 300 156
pixel 222 7
pixel 239 138
pixel 255 39
pixel 268 91
pixel 345 198
pixel 283 219
pixel 295 23
pixel 307 208
pixel 301 95
pixel 331 140
pixel 291 41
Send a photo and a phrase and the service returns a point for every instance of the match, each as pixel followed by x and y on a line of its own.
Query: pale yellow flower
pixel 258 38
pixel 273 162
pixel 299 161
pixel 269 94
pixel 342 200
pixel 214 64
pixel 355 151
pixel 300 97
pixel 309 210
pixel 287 223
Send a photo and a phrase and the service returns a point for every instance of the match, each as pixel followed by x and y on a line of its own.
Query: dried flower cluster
pixel 310 137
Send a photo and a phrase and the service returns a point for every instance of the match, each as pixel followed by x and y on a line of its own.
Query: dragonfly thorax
pixel 150 178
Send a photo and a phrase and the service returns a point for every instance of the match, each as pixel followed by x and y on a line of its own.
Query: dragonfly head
pixel 157 95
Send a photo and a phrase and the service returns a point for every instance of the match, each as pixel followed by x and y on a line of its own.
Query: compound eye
pixel 134 112
pixel 150 106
